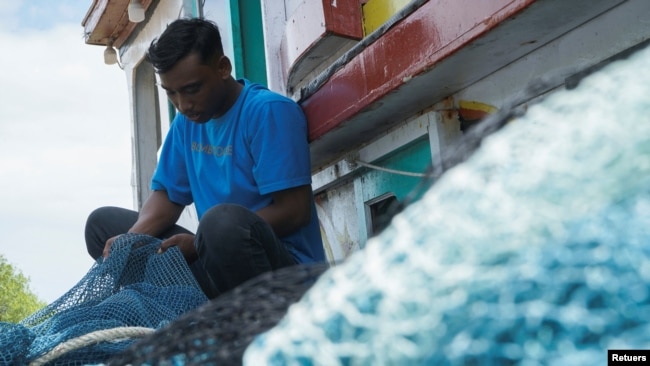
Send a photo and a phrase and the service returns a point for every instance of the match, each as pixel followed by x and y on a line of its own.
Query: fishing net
pixel 218 332
pixel 534 251
pixel 128 295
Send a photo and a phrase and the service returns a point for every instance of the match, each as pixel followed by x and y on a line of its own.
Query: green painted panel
pixel 374 185
pixel 248 40
pixel 414 158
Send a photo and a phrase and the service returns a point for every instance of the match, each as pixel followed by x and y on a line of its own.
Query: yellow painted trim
pixel 377 12
pixel 476 106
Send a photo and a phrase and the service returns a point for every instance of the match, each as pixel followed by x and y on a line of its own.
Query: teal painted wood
pixel 373 184
pixel 248 40
pixel 414 158
pixel 237 44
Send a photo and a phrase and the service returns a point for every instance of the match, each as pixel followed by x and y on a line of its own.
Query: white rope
pixel 388 170
pixel 92 338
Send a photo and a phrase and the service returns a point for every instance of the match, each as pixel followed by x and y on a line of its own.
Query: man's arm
pixel 289 211
pixel 157 215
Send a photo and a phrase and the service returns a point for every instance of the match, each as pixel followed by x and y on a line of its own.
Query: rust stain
pixel 449 114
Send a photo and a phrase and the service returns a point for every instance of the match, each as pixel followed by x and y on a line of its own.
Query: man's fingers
pixel 107 250
pixel 107 246
pixel 166 244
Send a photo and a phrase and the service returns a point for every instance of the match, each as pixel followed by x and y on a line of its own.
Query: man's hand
pixel 107 246
pixel 157 215
pixel 184 242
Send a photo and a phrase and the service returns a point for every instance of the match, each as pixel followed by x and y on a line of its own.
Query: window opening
pixel 380 212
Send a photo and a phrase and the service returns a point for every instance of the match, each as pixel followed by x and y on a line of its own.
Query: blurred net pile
pixel 128 295
pixel 535 251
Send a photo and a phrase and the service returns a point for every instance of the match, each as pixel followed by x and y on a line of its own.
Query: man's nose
pixel 184 105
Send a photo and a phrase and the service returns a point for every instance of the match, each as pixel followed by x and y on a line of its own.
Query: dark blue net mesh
pixel 218 332
pixel 133 287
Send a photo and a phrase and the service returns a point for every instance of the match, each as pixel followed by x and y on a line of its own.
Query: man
pixel 236 150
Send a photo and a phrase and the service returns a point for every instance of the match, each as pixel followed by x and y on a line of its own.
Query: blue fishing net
pixel 133 287
pixel 535 251
pixel 218 332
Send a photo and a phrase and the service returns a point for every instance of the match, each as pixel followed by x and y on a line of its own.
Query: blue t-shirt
pixel 257 147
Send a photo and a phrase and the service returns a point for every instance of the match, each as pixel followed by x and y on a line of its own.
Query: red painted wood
pixel 344 19
pixel 433 32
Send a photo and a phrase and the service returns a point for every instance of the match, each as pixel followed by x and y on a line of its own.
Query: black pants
pixel 232 242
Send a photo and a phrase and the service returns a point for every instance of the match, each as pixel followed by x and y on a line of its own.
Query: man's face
pixel 198 90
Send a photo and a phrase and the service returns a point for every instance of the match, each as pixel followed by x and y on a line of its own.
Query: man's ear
pixel 224 67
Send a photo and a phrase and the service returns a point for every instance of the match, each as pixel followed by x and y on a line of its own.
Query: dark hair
pixel 182 37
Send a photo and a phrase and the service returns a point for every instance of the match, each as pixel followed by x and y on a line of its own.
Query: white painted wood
pixel 590 43
pixel 274 18
pixel 146 131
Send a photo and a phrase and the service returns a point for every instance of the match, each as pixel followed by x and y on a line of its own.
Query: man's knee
pixel 226 226
pixel 103 223
pixel 92 232
pixel 226 214
pixel 97 217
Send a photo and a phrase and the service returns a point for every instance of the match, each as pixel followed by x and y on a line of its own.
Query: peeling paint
pixel 339 227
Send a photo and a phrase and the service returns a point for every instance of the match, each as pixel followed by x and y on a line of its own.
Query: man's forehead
pixel 178 85
pixel 183 74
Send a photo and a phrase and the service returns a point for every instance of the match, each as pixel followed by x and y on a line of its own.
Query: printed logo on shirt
pixel 212 149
